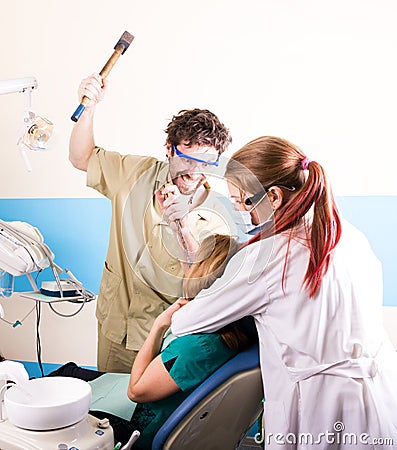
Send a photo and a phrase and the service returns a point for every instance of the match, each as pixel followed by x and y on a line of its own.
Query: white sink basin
pixel 47 403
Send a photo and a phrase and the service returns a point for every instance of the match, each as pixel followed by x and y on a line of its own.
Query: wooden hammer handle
pixel 119 49
pixel 111 61
pixel 103 73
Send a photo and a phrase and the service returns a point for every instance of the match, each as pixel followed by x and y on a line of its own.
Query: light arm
pixel 17 85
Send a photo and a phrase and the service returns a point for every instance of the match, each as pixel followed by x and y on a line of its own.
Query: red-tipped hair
pixel 273 161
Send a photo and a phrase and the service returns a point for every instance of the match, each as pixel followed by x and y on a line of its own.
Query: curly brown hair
pixel 198 126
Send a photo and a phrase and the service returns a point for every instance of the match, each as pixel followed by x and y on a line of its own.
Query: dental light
pixel 36 130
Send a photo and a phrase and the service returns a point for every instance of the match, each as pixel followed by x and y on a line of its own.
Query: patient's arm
pixel 154 384
pixel 150 380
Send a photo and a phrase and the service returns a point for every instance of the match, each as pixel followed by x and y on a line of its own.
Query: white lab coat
pixel 329 371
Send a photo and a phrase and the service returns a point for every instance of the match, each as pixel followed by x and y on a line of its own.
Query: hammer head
pixel 124 41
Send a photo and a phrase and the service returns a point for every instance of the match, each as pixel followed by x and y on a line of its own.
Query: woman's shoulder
pixel 197 340
pixel 205 349
pixel 199 346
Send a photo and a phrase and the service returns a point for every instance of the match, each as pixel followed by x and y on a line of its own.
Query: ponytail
pixel 326 226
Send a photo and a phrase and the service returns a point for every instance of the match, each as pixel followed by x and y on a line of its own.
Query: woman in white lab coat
pixel 314 288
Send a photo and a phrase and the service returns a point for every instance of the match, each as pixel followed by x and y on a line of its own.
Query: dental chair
pixel 219 413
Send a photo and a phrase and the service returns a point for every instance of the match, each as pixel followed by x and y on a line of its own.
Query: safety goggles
pixel 197 160
pixel 249 201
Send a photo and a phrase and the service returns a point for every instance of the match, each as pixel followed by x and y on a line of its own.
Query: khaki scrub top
pixel 142 274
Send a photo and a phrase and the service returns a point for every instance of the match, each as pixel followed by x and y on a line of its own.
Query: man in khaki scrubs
pixel 160 212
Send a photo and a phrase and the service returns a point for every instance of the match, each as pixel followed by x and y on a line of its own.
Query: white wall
pixel 319 73
pixel 62 339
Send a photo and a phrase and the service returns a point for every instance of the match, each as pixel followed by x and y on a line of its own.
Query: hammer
pixel 119 49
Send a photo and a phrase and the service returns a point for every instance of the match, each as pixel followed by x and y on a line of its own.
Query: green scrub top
pixel 189 360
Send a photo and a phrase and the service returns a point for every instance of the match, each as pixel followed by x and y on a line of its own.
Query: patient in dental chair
pixel 167 369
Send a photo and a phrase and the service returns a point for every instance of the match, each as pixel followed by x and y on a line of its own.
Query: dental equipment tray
pixel 58 293
pixel 51 289
pixel 39 297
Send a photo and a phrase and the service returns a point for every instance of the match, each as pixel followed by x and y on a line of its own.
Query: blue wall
pixel 76 229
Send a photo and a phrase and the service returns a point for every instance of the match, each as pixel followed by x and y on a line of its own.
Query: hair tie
pixel 305 163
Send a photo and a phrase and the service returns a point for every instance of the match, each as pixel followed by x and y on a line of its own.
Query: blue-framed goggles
pixel 192 158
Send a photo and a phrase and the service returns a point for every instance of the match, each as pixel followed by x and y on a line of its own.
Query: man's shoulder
pixel 129 165
pixel 125 158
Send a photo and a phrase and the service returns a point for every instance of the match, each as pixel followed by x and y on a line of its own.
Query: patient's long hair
pixel 210 262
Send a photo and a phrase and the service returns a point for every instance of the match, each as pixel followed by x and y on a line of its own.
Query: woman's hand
pixel 164 319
